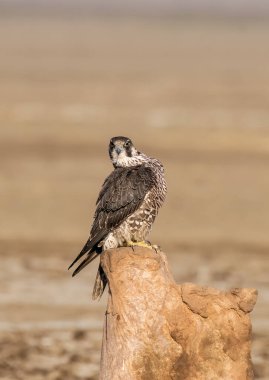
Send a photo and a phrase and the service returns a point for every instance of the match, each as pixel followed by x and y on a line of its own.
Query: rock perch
pixel 155 329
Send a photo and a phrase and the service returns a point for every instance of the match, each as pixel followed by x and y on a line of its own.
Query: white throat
pixel 125 161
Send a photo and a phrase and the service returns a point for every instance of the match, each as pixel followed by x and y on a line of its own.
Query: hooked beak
pixel 118 150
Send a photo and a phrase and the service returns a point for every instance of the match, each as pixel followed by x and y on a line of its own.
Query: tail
pixel 91 247
pixel 100 284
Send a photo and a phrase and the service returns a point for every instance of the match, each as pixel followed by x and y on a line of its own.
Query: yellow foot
pixel 145 244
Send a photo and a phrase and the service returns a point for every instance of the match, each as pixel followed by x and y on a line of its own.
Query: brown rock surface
pixel 156 329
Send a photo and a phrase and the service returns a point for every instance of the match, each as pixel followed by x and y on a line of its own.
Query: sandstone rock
pixel 156 329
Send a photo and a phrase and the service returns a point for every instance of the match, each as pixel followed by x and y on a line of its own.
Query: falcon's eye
pixel 111 144
pixel 128 143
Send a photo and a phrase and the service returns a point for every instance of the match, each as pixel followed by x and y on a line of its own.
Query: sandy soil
pixel 194 94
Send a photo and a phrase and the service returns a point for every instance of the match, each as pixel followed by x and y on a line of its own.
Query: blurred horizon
pixel 228 8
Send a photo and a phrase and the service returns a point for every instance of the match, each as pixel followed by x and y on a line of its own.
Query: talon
pixel 130 244
pixel 156 248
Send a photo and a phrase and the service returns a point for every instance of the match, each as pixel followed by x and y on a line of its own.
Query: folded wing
pixel 121 195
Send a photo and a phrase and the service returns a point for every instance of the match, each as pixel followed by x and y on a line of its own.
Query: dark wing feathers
pixel 91 256
pixel 91 243
pixel 122 194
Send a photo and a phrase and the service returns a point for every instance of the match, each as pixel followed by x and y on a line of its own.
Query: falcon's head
pixel 123 153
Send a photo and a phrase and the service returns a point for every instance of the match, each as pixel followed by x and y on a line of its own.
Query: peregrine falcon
pixel 126 207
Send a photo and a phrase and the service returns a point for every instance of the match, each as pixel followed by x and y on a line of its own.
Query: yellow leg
pixel 141 244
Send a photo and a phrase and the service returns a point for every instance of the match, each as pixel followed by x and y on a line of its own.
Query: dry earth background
pixel 192 92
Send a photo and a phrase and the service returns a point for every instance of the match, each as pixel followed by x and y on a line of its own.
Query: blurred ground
pixel 191 92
